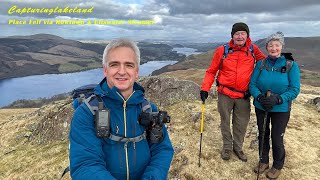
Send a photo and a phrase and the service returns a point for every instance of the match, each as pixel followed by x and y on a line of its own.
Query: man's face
pixel 239 38
pixel 121 70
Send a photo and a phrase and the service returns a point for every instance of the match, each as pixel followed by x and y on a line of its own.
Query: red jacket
pixel 237 67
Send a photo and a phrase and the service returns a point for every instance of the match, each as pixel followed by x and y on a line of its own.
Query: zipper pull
pixel 124 104
pixel 117 129
pixel 134 145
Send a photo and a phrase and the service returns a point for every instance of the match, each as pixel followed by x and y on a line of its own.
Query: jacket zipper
pixel 125 131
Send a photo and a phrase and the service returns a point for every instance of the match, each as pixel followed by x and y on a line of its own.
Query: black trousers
pixel 279 121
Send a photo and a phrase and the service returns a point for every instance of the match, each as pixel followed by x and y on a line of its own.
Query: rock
pixel 167 90
pixel 8 151
pixel 316 102
pixel 54 124
pixel 254 144
pixel 196 116
pixel 27 134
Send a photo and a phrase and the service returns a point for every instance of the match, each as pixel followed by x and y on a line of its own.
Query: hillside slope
pixel 45 53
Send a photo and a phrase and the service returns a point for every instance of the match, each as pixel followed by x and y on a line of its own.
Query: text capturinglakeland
pixel 49 11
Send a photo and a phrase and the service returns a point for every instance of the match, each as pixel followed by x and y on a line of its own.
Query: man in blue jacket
pixel 126 152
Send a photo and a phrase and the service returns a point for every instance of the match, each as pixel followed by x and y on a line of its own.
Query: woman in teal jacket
pixel 282 78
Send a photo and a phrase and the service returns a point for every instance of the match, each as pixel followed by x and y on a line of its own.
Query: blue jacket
pixel 97 158
pixel 287 85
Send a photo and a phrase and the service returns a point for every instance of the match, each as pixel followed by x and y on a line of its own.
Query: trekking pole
pixel 262 135
pixel 201 130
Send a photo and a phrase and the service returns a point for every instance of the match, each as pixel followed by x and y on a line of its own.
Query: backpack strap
pixel 146 106
pixel 228 50
pixel 289 64
pixel 264 65
pixel 127 140
pixel 251 49
pixel 92 102
pixel 225 54
pixel 67 169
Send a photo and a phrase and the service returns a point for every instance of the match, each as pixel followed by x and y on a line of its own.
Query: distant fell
pixel 305 51
pixel 47 54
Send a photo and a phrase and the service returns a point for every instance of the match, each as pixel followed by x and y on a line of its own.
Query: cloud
pixel 200 21
pixel 233 6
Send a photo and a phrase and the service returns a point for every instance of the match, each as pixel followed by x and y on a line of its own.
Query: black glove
pixel 260 98
pixel 246 95
pixel 203 95
pixel 271 101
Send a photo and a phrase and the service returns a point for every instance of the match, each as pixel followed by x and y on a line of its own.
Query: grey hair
pixel 122 42
pixel 278 36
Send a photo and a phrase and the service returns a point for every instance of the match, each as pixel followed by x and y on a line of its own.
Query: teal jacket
pixel 97 158
pixel 287 85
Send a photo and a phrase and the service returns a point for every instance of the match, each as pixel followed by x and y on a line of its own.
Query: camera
pixel 153 122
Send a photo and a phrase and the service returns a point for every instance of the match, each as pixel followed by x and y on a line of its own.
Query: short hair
pixel 121 42
pixel 278 36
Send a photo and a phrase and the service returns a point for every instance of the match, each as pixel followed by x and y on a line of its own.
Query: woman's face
pixel 274 48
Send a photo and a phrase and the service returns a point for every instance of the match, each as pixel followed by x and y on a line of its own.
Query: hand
pixel 246 95
pixel 203 95
pixel 271 101
pixel 260 98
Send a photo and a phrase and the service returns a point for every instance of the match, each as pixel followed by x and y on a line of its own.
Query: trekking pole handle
pixel 268 93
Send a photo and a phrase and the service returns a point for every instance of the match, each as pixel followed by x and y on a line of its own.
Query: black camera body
pixel 153 122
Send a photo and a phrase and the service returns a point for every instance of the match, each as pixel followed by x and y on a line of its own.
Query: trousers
pixel 279 121
pixel 240 109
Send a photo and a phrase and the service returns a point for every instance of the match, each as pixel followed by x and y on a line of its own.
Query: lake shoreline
pixel 48 85
pixel 3 78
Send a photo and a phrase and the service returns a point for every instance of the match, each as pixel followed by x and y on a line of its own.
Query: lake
pixel 48 85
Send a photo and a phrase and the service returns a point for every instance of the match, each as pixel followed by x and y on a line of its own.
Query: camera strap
pixel 124 139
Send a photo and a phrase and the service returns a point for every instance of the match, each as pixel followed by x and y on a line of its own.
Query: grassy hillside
pixel 45 54
pixel 22 156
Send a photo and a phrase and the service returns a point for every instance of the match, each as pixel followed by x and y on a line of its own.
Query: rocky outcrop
pixel 167 90
pixel 54 122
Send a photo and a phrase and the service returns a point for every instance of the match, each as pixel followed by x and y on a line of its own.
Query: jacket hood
pixel 103 90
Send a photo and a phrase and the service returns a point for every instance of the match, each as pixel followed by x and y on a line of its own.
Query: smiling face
pixel 274 48
pixel 239 38
pixel 121 69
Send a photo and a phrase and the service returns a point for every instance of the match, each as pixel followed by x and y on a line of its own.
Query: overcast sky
pixel 189 20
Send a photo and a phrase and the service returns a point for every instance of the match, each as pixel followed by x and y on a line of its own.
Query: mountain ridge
pixel 305 51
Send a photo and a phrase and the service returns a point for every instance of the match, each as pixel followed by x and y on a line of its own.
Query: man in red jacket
pixel 234 63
